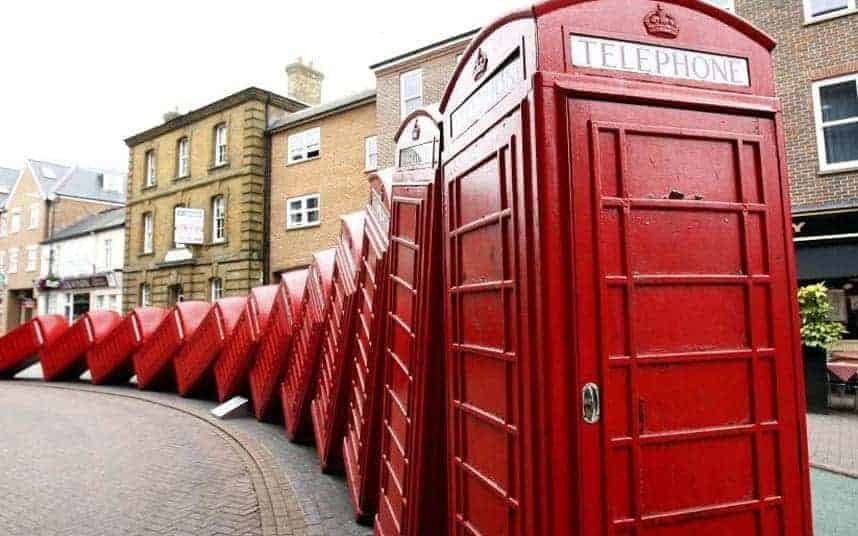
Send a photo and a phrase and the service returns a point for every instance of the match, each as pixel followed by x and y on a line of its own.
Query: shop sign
pixel 189 225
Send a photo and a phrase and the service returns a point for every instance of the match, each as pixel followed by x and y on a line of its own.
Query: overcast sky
pixel 79 77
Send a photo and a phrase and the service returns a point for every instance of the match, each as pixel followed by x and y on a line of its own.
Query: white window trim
pixel 145 295
pixel 15 216
pixel 301 138
pixel 13 261
pixel 34 211
pixel 366 154
pixel 221 158
pixel 148 233
pixel 2 262
pixel 32 258
pixel 402 95
pixel 810 19
pixel 151 168
pixel 731 5
pixel 183 151
pixel 824 166
pixel 215 217
pixel 216 289
pixel 304 224
pixel 4 225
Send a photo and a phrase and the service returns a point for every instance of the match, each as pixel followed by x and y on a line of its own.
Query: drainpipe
pixel 266 201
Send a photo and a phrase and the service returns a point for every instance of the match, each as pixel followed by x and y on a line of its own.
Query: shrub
pixel 816 329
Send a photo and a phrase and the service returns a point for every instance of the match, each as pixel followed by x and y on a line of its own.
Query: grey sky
pixel 79 77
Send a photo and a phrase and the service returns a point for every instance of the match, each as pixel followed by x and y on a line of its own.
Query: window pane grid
pixel 836 103
pixel 303 212
pixel 219 219
pixel 304 145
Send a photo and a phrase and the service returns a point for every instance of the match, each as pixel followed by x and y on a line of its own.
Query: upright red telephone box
pixel 622 324
pixel 302 363
pixel 360 444
pixel 327 409
pixel 412 487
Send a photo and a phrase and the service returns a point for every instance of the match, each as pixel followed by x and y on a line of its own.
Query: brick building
pixel 201 174
pixel 408 81
pixel 44 198
pixel 318 164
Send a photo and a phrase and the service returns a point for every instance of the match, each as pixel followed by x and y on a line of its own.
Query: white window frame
pixel 32 258
pixel 216 289
pixel 370 153
pixel 113 303
pixel 15 221
pixel 218 219
pixel 68 306
pixel 148 233
pixel 151 169
pixel 183 152
pixel 851 7
pixel 303 146
pixel 35 213
pixel 2 262
pixel 145 295
pixel 100 301
pixel 730 4
pixel 824 166
pixel 304 211
pixel 4 225
pixel 108 253
pixel 13 261
pixel 221 145
pixel 403 97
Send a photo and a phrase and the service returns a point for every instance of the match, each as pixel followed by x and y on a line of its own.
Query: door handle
pixel 591 403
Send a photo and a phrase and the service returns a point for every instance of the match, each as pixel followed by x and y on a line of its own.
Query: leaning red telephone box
pixel 328 406
pixel 412 487
pixel 276 343
pixel 236 356
pixel 302 362
pixel 622 324
pixel 194 364
pixel 360 441
pixel 20 347
pixel 65 358
pixel 153 361
pixel 109 361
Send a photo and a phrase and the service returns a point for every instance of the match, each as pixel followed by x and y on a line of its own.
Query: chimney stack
pixel 305 82
pixel 172 114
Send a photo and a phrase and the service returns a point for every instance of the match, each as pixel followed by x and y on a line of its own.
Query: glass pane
pixel 413 104
pixel 295 205
pixel 313 216
pixel 723 4
pixel 822 7
pixel 297 218
pixel 312 202
pixel 839 101
pixel 841 143
pixel 411 84
pixel 311 137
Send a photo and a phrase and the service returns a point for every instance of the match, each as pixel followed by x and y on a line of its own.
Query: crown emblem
pixel 661 23
pixel 480 64
pixel 415 132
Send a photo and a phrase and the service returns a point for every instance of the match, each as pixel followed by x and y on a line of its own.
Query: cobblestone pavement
pixel 79 459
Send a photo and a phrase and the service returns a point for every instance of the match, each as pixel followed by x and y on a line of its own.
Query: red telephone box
pixel 153 361
pixel 274 346
pixel 110 360
pixel 327 409
pixel 412 487
pixel 360 441
pixel 302 363
pixel 65 358
pixel 622 324
pixel 20 347
pixel 194 364
pixel 236 357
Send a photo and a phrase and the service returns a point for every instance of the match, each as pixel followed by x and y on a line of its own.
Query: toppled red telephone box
pixel 153 361
pixel 20 347
pixel 194 364
pixel 276 343
pixel 302 362
pixel 109 360
pixel 328 407
pixel 236 356
pixel 65 358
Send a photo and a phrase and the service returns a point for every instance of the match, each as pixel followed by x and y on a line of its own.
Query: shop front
pixel 73 297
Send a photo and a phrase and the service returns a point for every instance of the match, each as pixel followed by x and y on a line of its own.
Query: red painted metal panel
pixel 328 406
pixel 622 231
pixel 274 346
pixel 20 347
pixel 65 358
pixel 236 356
pixel 109 361
pixel 194 364
pixel 302 362
pixel 360 441
pixel 412 487
pixel 153 361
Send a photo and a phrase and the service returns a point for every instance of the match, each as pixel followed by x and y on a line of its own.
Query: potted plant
pixel 817 333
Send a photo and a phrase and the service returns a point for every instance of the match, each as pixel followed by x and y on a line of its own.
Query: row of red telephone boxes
pixel 342 350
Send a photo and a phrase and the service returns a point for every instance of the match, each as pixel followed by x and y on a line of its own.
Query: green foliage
pixel 816 329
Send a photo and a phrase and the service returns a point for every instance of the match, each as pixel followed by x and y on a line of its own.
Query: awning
pixel 828 261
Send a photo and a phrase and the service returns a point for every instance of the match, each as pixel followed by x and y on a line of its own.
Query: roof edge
pixel 360 99
pixel 424 49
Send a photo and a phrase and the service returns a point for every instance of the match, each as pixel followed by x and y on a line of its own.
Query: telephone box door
pixel 688 401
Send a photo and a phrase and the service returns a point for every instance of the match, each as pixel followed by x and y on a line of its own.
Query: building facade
pixel 196 203
pixel 319 158
pixel 81 268
pixel 409 81
pixel 45 197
